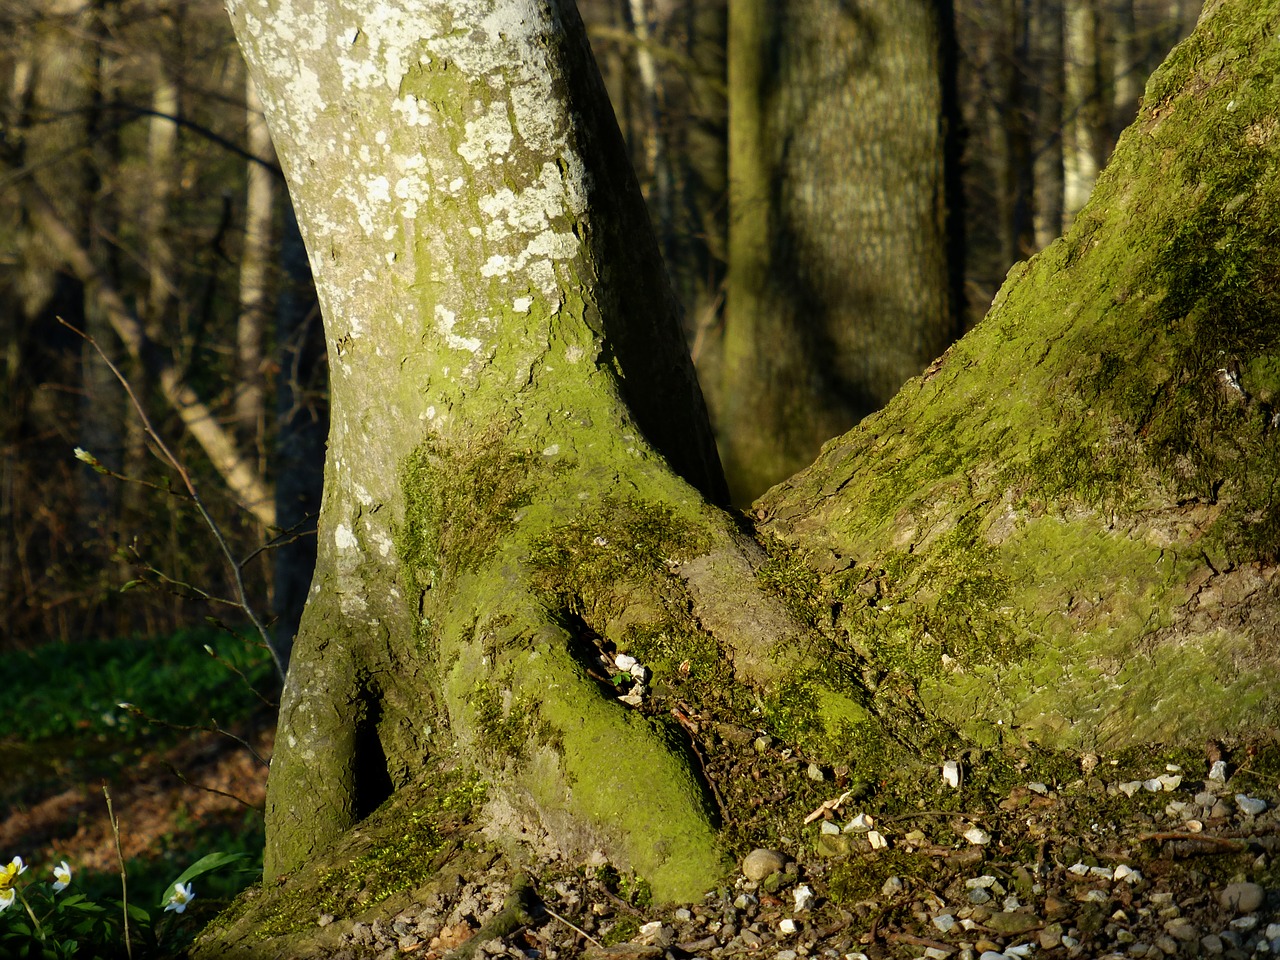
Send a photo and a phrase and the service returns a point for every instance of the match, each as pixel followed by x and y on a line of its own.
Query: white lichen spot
pixel 362 495
pixel 383 543
pixel 414 115
pixel 377 189
pixel 456 184
pixel 380 138
pixel 431 412
pixel 303 94
pixel 352 35
pixel 474 231
pixel 495 266
pixel 445 320
pixel 345 538
pixel 552 450
pixel 522 304
pixel 487 137
pixel 574 354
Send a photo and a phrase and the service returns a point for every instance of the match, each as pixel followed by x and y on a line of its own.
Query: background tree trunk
pixel 839 285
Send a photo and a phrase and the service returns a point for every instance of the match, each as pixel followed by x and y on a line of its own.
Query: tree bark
pixel 839 286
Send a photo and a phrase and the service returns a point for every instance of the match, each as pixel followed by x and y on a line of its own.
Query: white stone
pixel 1152 785
pixel 1079 869
pixel 829 827
pixel 1130 787
pixel 859 824
pixel 1250 806
pixel 945 922
pixel 877 840
pixel 1036 786
pixel 803 897
pixel 977 836
pixel 787 926
pixel 1103 873
pixel 1169 781
pixel 951 774
pixel 1218 772
pixel 984 882
pixel 1020 950
pixel 1127 874
pixel 624 662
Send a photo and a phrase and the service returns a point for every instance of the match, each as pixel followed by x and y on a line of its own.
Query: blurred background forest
pixel 140 202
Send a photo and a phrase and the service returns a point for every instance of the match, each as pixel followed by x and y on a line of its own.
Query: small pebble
pixel 1131 787
pixel 892 887
pixel 977 836
pixel 877 840
pixel 1212 945
pixel 803 896
pixel 1218 772
pixel 1242 897
pixel 787 926
pixel 759 863
pixel 859 824
pixel 944 922
pixel 1036 786
pixel 624 662
pixel 830 827
pixel 951 774
pixel 1250 806
pixel 815 772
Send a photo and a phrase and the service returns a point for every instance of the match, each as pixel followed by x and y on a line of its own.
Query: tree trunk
pixel 1066 528
pixel 839 287
pixel 1069 526
pixel 505 362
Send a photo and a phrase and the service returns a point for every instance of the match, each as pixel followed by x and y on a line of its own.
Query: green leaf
pixel 211 862
pixel 137 913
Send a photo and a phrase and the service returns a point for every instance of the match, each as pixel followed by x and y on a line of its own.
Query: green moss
pixel 619 540
pixel 862 878
pixel 459 502
pixel 506 724
pixel 407 838
pixel 798 586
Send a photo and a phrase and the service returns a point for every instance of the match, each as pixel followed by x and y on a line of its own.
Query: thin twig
pixel 200 786
pixel 195 728
pixel 124 875
pixel 572 926
pixel 237 571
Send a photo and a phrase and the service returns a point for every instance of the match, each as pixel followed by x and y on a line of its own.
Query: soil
pixel 156 795
pixel 1139 855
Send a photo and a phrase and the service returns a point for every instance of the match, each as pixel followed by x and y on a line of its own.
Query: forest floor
pixel 1139 855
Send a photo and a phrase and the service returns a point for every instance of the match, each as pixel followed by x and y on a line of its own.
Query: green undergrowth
pixel 61 690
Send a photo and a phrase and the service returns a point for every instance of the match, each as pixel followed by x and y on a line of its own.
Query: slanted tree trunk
pixel 1066 527
pixel 1070 525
